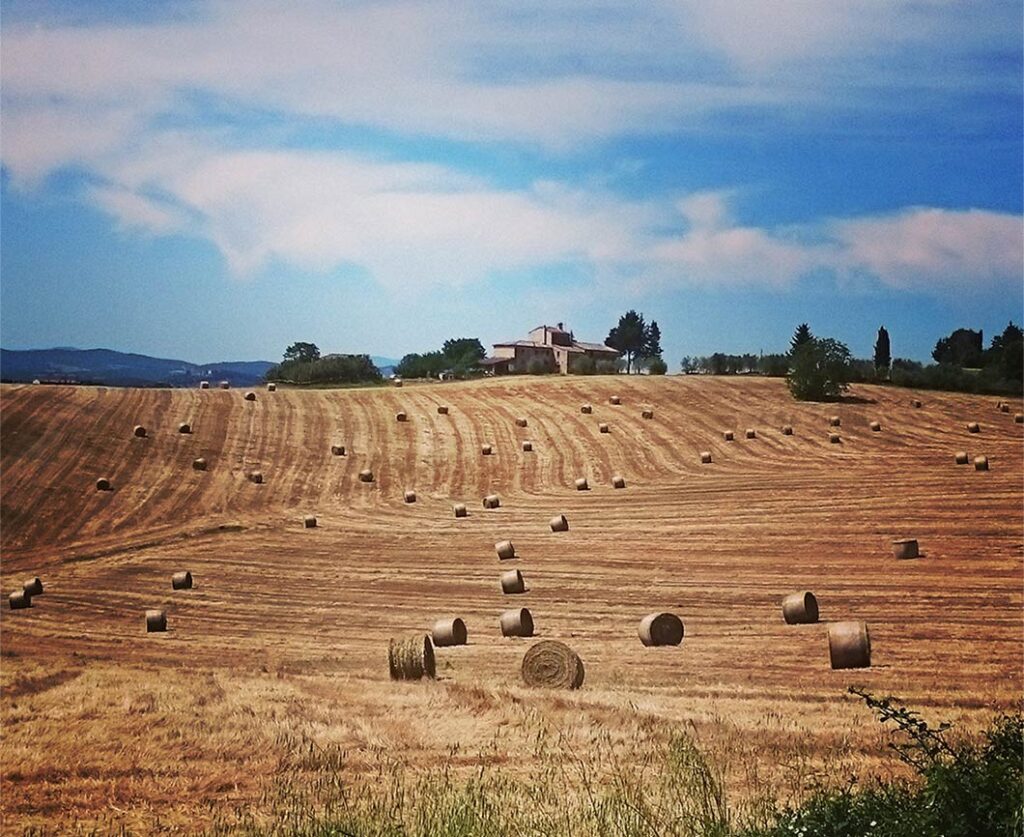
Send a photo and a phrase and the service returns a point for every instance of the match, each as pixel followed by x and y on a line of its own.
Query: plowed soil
pixel 284 637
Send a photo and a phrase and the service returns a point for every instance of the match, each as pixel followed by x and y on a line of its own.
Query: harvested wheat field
pixel 281 646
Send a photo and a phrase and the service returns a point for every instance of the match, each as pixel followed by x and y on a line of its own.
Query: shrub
pixel 607 367
pixel 583 365
pixel 657 366
pixel 820 370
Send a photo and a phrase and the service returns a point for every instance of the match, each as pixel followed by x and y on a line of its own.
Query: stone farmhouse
pixel 552 346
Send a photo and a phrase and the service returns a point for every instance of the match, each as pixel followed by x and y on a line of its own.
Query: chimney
pixel 560 327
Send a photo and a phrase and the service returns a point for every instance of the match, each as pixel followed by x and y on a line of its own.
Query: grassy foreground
pixel 959 789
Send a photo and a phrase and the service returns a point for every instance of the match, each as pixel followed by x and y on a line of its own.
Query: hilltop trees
pixel 883 353
pixel 459 355
pixel 820 370
pixel 635 339
pixel 801 336
pixel 962 348
pixel 303 352
pixel 330 369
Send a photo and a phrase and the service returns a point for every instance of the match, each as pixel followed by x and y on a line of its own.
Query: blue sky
pixel 215 180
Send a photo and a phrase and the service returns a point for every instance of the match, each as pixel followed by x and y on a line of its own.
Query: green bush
pixel 333 369
pixel 657 366
pixel 820 370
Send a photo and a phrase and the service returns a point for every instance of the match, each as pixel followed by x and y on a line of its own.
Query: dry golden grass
pixel 283 640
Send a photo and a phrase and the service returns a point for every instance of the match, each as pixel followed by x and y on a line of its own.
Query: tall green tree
pixel 305 352
pixel 652 341
pixel 629 337
pixel 883 353
pixel 1007 353
pixel 801 336
pixel 961 348
pixel 463 350
pixel 820 370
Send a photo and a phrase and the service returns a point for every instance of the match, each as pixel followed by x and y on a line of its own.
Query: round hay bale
pixel 916 404
pixel 337 450
pixel 981 463
pixel 156 621
pixel 835 421
pixel 905 548
pixel 448 632
pixel 559 523
pixel 398 382
pixel 618 481
pixel 787 430
pixel 271 387
pixel 705 457
pixel 199 464
pixel 36 382
pixel 460 510
pixel 103 484
pixel 204 385
pixel 552 665
pixel 181 580
pixel 834 438
pixel 875 427
pixel 520 422
pixel 19 600
pixel 582 484
pixel 366 475
pixel 309 521
pixel 728 435
pixel 225 385
pixel 1004 407
pixel 527 447
pixel 185 428
pixel 486 450
pixel 751 433
pixel 1018 418
pixel 492 501
pixel 512 582
pixel 409 496
pixel 400 416
pixel 586 409
pixel 412 658
pixel 33 586
pixel 614 400
pixel 603 428
pixel 518 622
pixel 849 645
pixel 647 414
pixel 139 431
pixel 506 551
pixel 256 477
pixel 974 427
pixel 660 629
pixel 961 457
pixel 800 608
pixel 250 396
pixel 442 410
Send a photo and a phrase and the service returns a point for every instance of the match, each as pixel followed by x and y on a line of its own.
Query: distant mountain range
pixel 106 366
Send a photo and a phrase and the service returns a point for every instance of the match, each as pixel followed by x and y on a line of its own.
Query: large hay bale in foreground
pixel 586 409
pixel 961 457
pixel 552 665
pixel 559 523
pixel 492 501
pixel 647 414
pixel 618 481
pixel 366 475
pixel 582 484
pixel 139 431
pixel 521 422
pixel 1018 418
pixel 527 447
pixel 905 548
pixel 19 600
pixel 449 632
pixel 401 416
pixel 337 450
pixel 512 582
pixel 800 608
pixel 875 427
pixel 411 658
pixel 199 464
pixel 660 629
pixel 250 396
pixel 103 484
pixel 505 550
pixel 442 410
pixel 33 586
pixel 409 496
pixel 309 521
pixel 460 510
pixel 705 457
pixel 185 428
pixel 181 580
pixel 835 421
pixel 849 645
pixel 974 427
pixel 981 463
pixel 486 450
pixel 518 622
pixel 787 430
pixel 156 621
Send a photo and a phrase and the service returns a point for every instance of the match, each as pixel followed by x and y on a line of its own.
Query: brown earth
pixel 283 641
